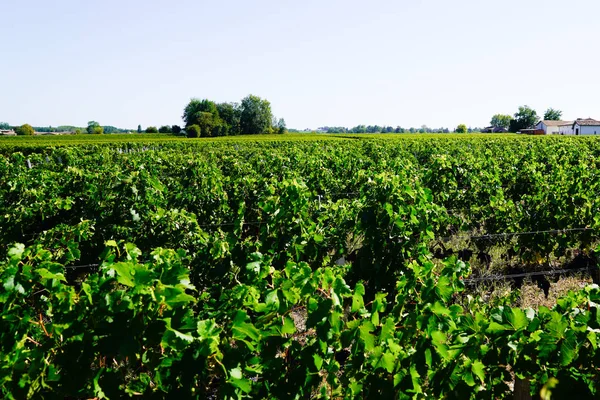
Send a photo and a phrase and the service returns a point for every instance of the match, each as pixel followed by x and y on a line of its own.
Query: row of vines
pixel 300 269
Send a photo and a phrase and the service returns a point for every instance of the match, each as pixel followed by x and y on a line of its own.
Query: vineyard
pixel 325 267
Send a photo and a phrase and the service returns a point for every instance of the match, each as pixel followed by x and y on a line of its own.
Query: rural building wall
pixel 548 130
pixel 566 130
pixel 588 130
pixel 541 125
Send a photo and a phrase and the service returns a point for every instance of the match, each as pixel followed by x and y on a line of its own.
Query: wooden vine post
pixel 522 389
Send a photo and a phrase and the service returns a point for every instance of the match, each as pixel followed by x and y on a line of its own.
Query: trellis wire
pixel 527 274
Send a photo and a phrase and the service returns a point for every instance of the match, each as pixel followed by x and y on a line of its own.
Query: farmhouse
pixel 551 127
pixel 586 126
pixel 7 132
pixel 494 129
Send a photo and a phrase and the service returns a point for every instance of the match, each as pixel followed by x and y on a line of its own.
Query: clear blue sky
pixel 319 62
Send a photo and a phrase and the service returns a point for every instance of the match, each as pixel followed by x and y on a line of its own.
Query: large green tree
pixel 25 130
pixel 462 128
pixel 94 128
pixel 193 111
pixel 552 115
pixel 230 114
pixel 525 118
pixel 4 125
pixel 205 114
pixel 501 121
pixel 256 116
pixel 91 125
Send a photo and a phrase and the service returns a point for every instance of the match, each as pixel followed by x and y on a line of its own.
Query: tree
pixel 176 129
pixel 139 130
pixel 151 129
pixel 552 115
pixel 205 114
pixel 230 114
pixel 92 127
pixel 501 121
pixel 165 129
pixel 359 129
pixel 193 111
pixel 24 130
pixel 281 127
pixel 256 116
pixel 462 128
pixel 193 131
pixel 77 131
pixel 207 122
pixel 4 126
pixel 525 118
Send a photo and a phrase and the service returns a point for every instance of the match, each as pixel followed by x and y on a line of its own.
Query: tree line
pixel 391 129
pixel 253 115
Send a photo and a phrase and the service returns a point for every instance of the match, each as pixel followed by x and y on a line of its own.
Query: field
pixel 299 266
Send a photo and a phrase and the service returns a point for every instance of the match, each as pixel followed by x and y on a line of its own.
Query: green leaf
pixel 387 330
pixel 87 290
pixel 444 288
pixel 478 370
pixel 592 338
pixel 318 360
pixel 568 349
pixel 45 274
pixel 124 275
pixel 366 336
pixel 16 252
pixel 289 328
pixel 242 329
pixel 388 361
pixel 237 380
pixel 516 318
pixel 174 338
pixel 439 309
pixel 415 377
pixel 357 298
pixel 97 389
pixel 495 327
pixel 439 341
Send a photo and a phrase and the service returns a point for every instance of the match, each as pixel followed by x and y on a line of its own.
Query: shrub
pixel 462 128
pixel 193 131
pixel 25 130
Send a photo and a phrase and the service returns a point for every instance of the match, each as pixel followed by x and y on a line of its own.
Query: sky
pixel 319 62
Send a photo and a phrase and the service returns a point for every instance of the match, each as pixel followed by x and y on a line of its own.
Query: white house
pixel 551 127
pixel 586 126
pixel 566 128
